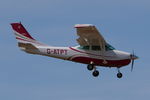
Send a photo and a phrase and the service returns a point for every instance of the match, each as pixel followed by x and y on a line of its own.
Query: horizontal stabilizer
pixel 29 48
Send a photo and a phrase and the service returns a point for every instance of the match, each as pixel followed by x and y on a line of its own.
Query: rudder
pixel 21 33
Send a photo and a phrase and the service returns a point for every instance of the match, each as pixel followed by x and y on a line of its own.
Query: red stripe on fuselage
pixel 99 62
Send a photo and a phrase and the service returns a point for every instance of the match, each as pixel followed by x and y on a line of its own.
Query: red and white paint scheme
pixel 93 50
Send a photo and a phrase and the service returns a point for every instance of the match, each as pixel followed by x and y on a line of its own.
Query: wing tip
pixel 16 23
pixel 83 25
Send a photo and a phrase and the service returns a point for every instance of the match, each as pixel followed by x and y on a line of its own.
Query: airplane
pixel 92 50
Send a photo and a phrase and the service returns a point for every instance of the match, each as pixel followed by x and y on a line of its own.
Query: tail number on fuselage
pixel 57 51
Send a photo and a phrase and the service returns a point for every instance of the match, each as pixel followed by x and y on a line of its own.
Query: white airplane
pixel 93 49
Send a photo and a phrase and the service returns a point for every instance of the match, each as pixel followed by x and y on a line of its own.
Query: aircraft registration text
pixel 57 51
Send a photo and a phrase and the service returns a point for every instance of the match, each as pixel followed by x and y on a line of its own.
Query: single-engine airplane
pixel 93 49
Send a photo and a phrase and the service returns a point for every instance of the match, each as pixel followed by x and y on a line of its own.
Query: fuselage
pixel 113 58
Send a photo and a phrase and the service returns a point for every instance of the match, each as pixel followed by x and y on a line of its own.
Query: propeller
pixel 133 57
pixel 132 60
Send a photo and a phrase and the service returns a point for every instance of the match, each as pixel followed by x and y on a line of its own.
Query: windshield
pixel 97 48
pixel 109 47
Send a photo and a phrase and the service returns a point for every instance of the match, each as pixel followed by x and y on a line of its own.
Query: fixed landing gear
pixel 119 74
pixel 91 67
pixel 95 72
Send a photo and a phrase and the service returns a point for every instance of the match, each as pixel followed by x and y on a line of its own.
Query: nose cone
pixel 134 57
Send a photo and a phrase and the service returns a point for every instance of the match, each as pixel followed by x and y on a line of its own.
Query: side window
pixel 84 47
pixel 96 48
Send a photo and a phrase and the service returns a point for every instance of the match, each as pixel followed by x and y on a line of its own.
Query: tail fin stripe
pixel 26 40
pixel 21 39
pixel 18 38
pixel 21 36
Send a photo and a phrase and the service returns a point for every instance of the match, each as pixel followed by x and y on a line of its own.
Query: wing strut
pixel 102 45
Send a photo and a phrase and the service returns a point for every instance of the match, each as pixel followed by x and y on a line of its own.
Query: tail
pixel 25 41
pixel 21 33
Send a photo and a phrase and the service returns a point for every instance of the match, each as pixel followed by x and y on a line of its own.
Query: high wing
pixel 89 36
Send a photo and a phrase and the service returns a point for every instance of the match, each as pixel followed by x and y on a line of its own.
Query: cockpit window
pixel 97 48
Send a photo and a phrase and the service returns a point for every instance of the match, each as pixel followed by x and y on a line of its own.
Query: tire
pixel 90 67
pixel 119 75
pixel 95 73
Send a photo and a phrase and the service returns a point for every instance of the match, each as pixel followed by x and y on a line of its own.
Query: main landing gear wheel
pixel 90 67
pixel 95 73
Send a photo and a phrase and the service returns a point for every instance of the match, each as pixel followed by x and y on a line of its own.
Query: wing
pixel 89 35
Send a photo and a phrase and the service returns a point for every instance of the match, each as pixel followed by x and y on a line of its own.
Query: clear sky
pixel 125 24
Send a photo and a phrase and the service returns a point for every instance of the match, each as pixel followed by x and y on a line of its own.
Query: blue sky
pixel 124 24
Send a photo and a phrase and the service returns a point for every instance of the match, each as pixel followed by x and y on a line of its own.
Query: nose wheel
pixel 119 74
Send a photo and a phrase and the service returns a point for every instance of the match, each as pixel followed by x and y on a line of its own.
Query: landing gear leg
pixel 95 72
pixel 119 74
pixel 91 67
